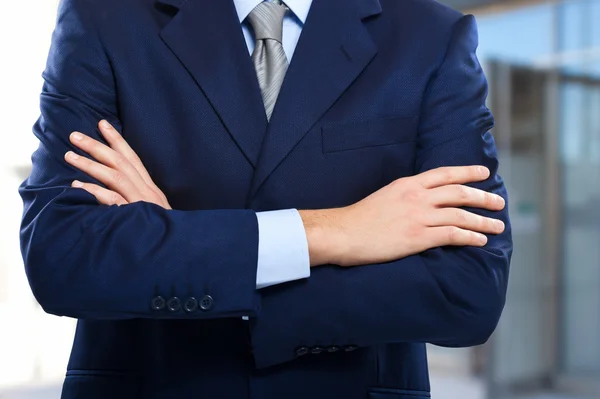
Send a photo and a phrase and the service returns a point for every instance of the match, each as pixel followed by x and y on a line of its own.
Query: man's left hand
pixel 117 166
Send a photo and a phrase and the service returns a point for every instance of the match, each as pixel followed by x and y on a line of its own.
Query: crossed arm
pixel 407 217
pixel 425 271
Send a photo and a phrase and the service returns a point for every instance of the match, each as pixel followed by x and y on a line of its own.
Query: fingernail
pixel 104 124
pixel 483 239
pixel 499 225
pixel 77 183
pixel 72 155
pixel 76 136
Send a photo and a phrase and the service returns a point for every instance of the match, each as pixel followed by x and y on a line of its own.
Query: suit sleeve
pixel 87 260
pixel 451 296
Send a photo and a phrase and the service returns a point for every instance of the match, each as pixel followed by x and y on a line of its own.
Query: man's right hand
pixel 406 217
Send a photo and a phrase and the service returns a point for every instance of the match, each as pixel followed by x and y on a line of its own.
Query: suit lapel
pixel 207 38
pixel 333 49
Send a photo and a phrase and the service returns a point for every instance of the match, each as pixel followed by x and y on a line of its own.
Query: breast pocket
pixel 391 393
pixel 371 133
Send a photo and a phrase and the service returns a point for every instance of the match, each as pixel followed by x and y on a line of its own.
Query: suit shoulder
pixel 89 7
pixel 429 13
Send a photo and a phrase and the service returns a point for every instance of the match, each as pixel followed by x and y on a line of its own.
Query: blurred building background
pixel 542 59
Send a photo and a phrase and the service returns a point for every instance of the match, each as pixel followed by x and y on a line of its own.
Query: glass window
pixel 573 23
pixel 530 43
pixel 580 143
pixel 519 36
pixel 571 123
pixel 579 37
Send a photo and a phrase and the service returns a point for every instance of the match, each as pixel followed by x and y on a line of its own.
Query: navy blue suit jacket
pixel 377 90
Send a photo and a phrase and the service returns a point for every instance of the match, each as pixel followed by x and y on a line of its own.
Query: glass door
pixel 580 238
pixel 548 136
pixel 521 355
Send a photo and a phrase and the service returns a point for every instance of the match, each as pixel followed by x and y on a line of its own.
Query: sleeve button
pixel 333 348
pixel 350 348
pixel 301 351
pixel 316 350
pixel 190 305
pixel 158 303
pixel 174 304
pixel 206 302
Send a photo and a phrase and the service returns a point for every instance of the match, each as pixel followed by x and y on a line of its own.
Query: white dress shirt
pixel 282 249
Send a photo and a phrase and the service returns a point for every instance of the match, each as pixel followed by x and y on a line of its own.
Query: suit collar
pixel 301 7
pixel 207 39
pixel 334 48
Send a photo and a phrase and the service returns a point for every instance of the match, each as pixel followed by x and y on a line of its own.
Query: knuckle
pixel 415 232
pixel 135 158
pixel 118 178
pixel 471 237
pixel 462 216
pixel 488 199
pixel 400 184
pixel 152 196
pixel 454 234
pixel 424 218
pixel 448 174
pixel 413 196
pixel 475 239
pixel 163 196
pixel 114 198
pixel 464 193
pixel 484 223
pixel 120 162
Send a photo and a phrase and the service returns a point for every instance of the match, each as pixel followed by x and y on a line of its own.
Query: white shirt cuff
pixel 282 248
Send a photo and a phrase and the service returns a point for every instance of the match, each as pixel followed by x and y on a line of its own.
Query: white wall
pixel 33 346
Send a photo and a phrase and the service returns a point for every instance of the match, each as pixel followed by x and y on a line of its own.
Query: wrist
pixel 324 233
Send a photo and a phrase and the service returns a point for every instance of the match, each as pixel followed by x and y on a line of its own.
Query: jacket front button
pixel 174 304
pixel 158 303
pixel 190 305
pixel 206 302
pixel 301 351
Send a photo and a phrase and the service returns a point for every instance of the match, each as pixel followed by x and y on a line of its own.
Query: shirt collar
pixel 298 7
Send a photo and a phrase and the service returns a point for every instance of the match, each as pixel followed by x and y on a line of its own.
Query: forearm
pixel 85 260
pixel 422 298
pixel 452 296
pixel 324 234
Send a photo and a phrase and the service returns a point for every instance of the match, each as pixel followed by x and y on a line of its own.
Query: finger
pixel 113 179
pixel 118 143
pixel 454 236
pixel 466 220
pixel 108 157
pixel 104 196
pixel 452 175
pixel 458 195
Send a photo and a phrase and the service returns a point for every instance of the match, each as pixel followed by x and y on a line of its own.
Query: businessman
pixel 246 199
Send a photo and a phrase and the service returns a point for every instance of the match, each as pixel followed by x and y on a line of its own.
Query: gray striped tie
pixel 269 58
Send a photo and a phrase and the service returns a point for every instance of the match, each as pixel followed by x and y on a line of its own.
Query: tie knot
pixel 267 21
